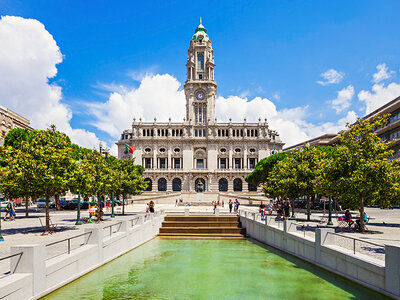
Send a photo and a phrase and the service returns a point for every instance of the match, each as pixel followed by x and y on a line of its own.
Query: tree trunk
pixel 26 206
pixel 123 204
pixel 99 211
pixel 58 204
pixel 362 227
pixel 308 208
pixel 47 214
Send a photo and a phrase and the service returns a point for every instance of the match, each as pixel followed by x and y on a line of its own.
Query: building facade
pixel 10 120
pixel 199 154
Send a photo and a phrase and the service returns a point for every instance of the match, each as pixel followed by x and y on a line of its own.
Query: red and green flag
pixel 129 149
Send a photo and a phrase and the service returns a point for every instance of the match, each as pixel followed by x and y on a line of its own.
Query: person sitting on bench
pixel 347 218
pixel 359 219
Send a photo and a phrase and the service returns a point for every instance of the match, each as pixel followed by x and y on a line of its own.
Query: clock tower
pixel 200 87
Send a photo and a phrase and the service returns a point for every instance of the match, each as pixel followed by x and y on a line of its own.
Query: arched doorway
pixel 149 184
pixel 200 185
pixel 237 185
pixel 252 188
pixel 223 185
pixel 162 184
pixel 177 185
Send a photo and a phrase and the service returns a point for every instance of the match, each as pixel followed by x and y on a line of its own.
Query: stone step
pixel 200 236
pixel 202 218
pixel 202 230
pixel 200 224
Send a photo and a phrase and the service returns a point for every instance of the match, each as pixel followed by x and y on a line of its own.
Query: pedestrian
pixel 108 206
pixel 230 206
pixel 262 211
pixel 278 209
pixel 223 203
pixel 270 207
pixel 215 207
pixel 8 210
pixel 147 208
pixel 12 210
pixel 176 202
pixel 237 205
pixel 286 208
pixel 151 206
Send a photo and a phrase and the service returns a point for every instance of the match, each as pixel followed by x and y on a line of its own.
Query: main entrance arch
pixel 200 185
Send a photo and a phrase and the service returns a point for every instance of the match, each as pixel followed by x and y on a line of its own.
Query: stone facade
pixel 199 154
pixel 10 120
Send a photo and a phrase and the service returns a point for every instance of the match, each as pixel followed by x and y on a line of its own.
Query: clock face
pixel 200 96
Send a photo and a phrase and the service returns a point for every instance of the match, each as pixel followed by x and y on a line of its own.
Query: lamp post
pixel 78 211
pixel 330 212
pixel 112 205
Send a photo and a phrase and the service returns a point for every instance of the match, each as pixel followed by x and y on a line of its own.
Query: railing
pixel 16 265
pixel 357 245
pixel 70 245
pixel 134 221
pixel 273 221
pixel 111 227
pixel 306 229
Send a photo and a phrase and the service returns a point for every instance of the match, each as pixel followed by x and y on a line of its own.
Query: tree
pixel 264 167
pixel 14 139
pixel 295 175
pixel 51 164
pixel 360 173
pixel 132 181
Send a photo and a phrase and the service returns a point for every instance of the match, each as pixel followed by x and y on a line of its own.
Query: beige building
pixel 10 120
pixel 199 154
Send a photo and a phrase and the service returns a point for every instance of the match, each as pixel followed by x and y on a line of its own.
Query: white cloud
pixel 28 59
pixel 379 95
pixel 343 99
pixel 331 77
pixel 382 73
pixel 157 96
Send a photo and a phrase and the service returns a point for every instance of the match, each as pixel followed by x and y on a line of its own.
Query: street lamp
pixel 112 205
pixel 78 213
pixel 330 212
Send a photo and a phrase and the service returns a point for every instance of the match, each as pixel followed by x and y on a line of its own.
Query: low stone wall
pixel 35 276
pixel 158 198
pixel 382 276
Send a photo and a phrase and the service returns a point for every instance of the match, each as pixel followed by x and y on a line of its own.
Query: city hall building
pixel 199 154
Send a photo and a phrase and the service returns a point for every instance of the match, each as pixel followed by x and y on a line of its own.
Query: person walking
pixel 278 209
pixel 237 205
pixel 215 206
pixel 8 210
pixel 151 206
pixel 147 208
pixel 176 202
pixel 270 207
pixel 223 203
pixel 262 211
pixel 230 206
pixel 286 208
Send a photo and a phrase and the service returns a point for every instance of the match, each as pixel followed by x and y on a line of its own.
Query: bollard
pixel 187 213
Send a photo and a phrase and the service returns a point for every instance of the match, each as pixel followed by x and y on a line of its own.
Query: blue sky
pixel 276 50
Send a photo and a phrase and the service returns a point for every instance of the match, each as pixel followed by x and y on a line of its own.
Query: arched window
pixel 200 61
pixel 177 185
pixel 223 185
pixel 149 184
pixel 237 185
pixel 162 184
pixel 200 185
pixel 252 188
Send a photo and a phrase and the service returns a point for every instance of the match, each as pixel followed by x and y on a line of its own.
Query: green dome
pixel 200 30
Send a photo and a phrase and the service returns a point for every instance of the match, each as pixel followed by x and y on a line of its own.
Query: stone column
pixel 321 238
pixel 33 261
pixel 392 269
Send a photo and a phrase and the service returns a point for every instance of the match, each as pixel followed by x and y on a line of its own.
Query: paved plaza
pixel 383 227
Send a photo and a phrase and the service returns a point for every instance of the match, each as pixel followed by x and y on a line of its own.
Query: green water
pixel 210 269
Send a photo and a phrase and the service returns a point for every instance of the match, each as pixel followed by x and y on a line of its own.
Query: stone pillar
pixel 322 237
pixel 187 212
pixel 392 269
pixel 33 261
pixel 96 238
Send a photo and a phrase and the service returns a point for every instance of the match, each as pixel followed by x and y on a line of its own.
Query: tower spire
pixel 200 20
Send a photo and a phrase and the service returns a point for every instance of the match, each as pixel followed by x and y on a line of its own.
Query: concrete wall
pixel 322 251
pixel 35 276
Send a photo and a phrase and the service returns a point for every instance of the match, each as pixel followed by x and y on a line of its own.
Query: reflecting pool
pixel 210 269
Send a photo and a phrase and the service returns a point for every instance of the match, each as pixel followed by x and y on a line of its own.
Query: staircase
pixel 202 227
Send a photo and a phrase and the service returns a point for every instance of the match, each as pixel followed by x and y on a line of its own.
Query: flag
pixel 129 149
